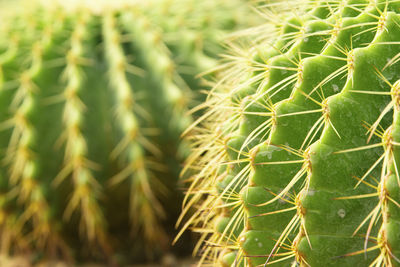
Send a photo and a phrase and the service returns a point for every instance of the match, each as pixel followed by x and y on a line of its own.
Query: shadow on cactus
pixel 93 101
pixel 296 161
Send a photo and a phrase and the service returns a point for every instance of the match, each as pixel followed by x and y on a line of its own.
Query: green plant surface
pixel 94 96
pixel 295 160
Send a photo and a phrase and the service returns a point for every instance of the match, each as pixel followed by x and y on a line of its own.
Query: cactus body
pixel 298 152
pixel 93 100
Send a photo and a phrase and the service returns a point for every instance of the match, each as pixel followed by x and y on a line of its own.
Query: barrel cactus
pixel 296 159
pixel 94 96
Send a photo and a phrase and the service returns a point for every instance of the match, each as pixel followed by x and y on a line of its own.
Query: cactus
pixel 93 100
pixel 295 162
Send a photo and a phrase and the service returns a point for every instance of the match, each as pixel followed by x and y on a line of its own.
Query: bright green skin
pixel 132 82
pixel 323 171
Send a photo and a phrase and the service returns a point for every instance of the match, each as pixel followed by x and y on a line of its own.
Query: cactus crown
pixel 296 160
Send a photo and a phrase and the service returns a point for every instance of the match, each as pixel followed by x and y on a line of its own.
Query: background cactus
pixel 93 99
pixel 295 161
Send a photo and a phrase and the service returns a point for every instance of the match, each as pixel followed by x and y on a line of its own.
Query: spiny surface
pixel 295 160
pixel 93 99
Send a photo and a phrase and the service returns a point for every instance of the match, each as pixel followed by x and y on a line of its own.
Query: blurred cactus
pixel 93 99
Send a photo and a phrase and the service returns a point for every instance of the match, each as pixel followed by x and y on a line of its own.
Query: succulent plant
pixel 295 160
pixel 93 99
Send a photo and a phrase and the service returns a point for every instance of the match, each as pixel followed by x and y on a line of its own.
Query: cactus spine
pixel 295 162
pixel 94 97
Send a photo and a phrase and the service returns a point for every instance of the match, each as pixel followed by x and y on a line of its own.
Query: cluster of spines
pixel 274 134
pixel 21 157
pixel 76 162
pixel 131 147
pixel 155 50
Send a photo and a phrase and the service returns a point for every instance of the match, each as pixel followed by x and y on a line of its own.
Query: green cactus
pixel 93 99
pixel 295 161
